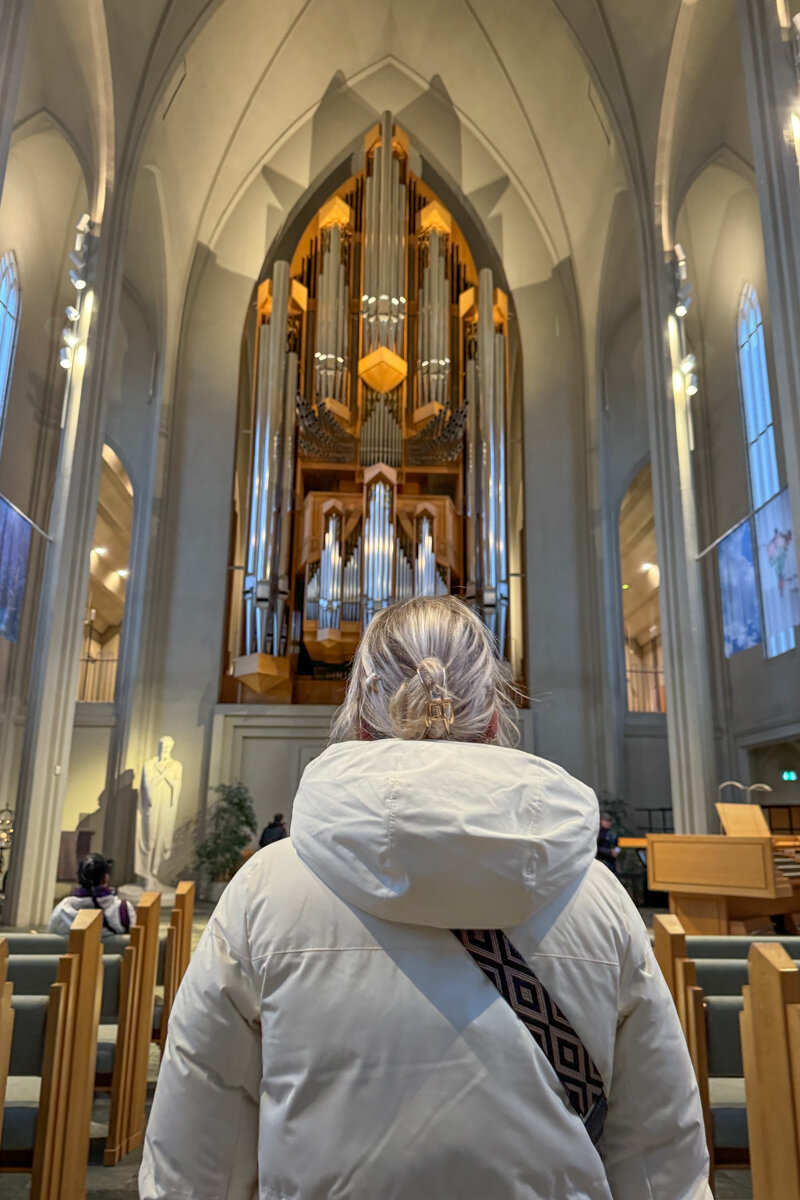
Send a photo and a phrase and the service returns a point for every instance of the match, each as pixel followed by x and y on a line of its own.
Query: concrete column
pixel 772 93
pixel 15 18
pixel 690 727
pixel 54 672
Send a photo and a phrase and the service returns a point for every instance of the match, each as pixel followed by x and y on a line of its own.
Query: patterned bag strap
pixel 507 970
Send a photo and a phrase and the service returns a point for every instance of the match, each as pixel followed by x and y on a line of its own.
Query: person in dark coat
pixel 607 848
pixel 274 832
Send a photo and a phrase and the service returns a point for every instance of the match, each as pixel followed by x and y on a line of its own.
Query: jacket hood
pixel 448 834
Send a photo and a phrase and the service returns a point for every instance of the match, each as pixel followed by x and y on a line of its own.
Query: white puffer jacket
pixel 332 1040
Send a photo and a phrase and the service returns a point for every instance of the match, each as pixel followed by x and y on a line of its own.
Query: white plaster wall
pixel 91 737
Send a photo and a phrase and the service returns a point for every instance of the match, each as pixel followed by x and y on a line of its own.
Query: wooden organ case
pixel 372 459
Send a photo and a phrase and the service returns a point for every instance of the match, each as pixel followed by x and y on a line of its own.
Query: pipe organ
pixel 372 462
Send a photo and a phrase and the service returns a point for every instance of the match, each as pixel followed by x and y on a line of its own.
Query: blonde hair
pixel 428 668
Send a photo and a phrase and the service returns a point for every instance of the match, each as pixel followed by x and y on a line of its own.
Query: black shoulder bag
pixel 507 970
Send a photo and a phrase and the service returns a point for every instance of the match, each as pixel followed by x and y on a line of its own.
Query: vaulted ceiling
pixel 539 111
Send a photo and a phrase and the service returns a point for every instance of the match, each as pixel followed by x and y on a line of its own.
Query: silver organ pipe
pixel 312 592
pixel 383 302
pixel 381 436
pixel 487 439
pixel 257 484
pixel 379 541
pixel 424 560
pixel 280 637
pixel 351 584
pixel 333 308
pixel 266 466
pixel 433 338
pixel 405 574
pixel 471 489
pixel 500 489
pixel 330 573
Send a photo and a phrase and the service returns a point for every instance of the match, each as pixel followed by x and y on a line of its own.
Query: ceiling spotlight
pixel 65 357
pixel 123 572
pixel 77 282
pixel 689 363
pixel 100 551
pixel 84 224
pixel 69 337
pixel 73 313
pixel 691 384
pixel 647 566
pixel 78 260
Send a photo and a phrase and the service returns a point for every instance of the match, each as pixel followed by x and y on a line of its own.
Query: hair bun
pixel 434 677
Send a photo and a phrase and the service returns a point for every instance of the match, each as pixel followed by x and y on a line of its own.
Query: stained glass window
pixel 762 459
pixel 9 326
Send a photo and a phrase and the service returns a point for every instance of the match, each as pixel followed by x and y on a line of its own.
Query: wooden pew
pixel 134 1022
pixel 177 953
pixel 770 1027
pixel 671 943
pixel 6 1024
pixel 58 1033
pixel 127 1004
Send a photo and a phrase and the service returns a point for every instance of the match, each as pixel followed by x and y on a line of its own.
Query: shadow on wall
pixel 180 864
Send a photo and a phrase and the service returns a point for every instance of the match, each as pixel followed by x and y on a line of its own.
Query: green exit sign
pixel 789 776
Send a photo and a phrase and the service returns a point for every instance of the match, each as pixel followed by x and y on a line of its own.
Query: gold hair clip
pixel 439 710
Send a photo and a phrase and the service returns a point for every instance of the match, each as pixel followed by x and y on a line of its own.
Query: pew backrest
pixel 6 1024
pixel 772 1070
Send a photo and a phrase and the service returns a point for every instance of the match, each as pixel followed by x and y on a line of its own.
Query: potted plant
pixel 230 825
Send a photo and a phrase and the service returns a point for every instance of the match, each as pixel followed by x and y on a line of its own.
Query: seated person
pixel 93 892
pixel 274 832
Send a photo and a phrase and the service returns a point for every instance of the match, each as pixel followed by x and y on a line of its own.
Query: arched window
pixel 641 614
pixel 777 570
pixel 9 326
pixel 108 579
pixel 762 460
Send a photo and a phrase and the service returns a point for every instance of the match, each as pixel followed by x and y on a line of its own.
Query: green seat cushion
pixel 32 974
pixel 736 947
pixel 728 1113
pixel 27 1043
pixel 723 1037
pixel 54 943
pixel 21 1113
pixel 106 1049
pixel 109 1007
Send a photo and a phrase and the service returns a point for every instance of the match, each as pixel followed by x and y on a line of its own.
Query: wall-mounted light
pixel 73 313
pixel 683 289
pixel 123 572
pixel 69 337
pixel 77 281
pixel 65 357
pixel 100 551
pixel 647 566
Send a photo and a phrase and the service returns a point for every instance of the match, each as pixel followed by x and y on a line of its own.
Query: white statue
pixel 155 815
